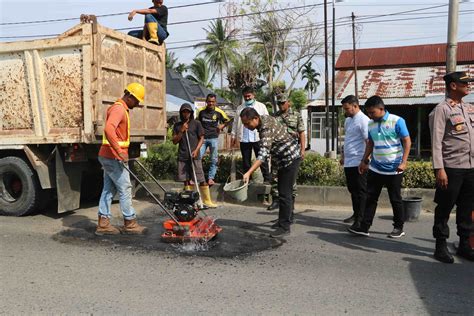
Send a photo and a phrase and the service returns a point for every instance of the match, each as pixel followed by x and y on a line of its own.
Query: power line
pixel 107 15
pixel 364 18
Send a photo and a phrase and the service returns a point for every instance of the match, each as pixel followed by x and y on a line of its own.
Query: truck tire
pixel 20 192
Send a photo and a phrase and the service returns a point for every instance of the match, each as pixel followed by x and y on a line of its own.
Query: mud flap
pixel 68 184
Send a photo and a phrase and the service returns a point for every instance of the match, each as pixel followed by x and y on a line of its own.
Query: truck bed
pixel 55 91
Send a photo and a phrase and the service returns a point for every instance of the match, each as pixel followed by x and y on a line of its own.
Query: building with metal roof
pixel 409 79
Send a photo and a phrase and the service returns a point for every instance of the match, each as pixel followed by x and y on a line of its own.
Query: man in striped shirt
pixel 389 144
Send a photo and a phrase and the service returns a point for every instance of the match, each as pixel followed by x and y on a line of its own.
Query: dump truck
pixel 54 94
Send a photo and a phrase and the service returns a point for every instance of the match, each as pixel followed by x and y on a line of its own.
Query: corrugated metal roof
pixel 421 84
pixel 417 55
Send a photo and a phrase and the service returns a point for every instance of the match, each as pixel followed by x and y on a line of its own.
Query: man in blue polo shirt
pixel 389 144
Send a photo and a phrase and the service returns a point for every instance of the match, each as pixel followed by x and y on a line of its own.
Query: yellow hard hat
pixel 137 90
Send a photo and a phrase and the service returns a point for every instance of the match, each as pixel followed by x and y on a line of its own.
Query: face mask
pixel 249 102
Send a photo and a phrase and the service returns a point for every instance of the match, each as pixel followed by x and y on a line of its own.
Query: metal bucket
pixel 237 190
pixel 412 208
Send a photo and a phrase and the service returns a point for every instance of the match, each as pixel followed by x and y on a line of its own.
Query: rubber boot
pixel 442 253
pixel 105 228
pixel 465 250
pixel 152 28
pixel 206 196
pixel 131 227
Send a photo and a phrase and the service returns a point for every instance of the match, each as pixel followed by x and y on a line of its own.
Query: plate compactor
pixel 184 208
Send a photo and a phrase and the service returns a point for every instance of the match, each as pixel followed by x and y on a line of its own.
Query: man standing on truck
pixel 112 155
pixel 156 20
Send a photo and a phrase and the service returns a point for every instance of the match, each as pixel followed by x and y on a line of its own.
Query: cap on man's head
pixel 282 97
pixel 457 76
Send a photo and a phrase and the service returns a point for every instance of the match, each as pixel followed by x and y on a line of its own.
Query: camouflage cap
pixel 282 97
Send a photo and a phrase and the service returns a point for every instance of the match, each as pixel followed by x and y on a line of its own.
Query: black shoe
pixel 396 233
pixel 358 230
pixel 465 250
pixel 442 253
pixel 349 219
pixel 280 232
pixel 275 225
pixel 274 206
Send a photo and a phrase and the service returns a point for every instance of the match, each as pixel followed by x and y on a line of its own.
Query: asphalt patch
pixel 236 238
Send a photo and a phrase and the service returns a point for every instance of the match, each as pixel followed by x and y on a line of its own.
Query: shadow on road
pixel 445 289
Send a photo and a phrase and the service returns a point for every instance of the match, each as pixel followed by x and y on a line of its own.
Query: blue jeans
pixel 212 144
pixel 116 179
pixel 161 33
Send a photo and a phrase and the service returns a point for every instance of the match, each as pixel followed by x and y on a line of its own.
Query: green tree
pixel 219 49
pixel 200 72
pixel 298 99
pixel 172 63
pixel 312 82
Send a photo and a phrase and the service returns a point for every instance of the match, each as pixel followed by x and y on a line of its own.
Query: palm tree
pixel 219 49
pixel 200 72
pixel 310 75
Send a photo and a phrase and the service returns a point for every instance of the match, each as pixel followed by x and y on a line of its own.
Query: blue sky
pixel 419 30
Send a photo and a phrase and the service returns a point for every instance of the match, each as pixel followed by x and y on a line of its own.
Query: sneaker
pixel 396 233
pixel 357 230
pixel 280 232
pixel 349 219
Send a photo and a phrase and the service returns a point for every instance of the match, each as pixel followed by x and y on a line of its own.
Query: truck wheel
pixel 20 191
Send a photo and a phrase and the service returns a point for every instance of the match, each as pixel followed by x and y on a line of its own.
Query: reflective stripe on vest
pixel 123 143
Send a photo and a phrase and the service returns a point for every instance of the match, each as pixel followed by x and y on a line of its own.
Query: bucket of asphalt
pixel 412 208
pixel 237 190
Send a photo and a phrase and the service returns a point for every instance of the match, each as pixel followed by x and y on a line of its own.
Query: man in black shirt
pixel 213 120
pixel 186 160
pixel 156 20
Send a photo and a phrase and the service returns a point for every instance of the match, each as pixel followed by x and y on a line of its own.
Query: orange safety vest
pixel 124 143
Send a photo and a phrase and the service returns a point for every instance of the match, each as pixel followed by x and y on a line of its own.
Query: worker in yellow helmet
pixel 112 155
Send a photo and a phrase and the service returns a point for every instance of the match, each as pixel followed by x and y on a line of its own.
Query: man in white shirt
pixel 356 134
pixel 248 139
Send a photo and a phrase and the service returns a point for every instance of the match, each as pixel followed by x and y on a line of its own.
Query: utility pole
pixel 452 46
pixel 333 86
pixel 354 57
pixel 326 74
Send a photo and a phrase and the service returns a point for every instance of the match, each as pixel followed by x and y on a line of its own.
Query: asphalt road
pixel 53 264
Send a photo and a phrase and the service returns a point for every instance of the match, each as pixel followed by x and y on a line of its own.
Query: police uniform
pixel 452 136
pixel 294 126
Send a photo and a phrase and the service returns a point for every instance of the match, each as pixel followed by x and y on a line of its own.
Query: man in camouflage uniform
pixel 293 122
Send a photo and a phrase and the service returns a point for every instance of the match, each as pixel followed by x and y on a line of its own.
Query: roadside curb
pixel 307 195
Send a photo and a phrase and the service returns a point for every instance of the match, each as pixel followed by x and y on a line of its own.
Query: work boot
pixel 105 228
pixel 465 250
pixel 442 253
pixel 188 188
pixel 274 206
pixel 131 227
pixel 206 196
pixel 153 32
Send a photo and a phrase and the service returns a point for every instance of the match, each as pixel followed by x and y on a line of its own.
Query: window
pixel 318 124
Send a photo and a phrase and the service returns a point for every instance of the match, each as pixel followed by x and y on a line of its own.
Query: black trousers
pixel 375 183
pixel 357 186
pixel 460 192
pixel 246 150
pixel 286 178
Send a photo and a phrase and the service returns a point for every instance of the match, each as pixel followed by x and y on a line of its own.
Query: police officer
pixel 293 122
pixel 452 138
